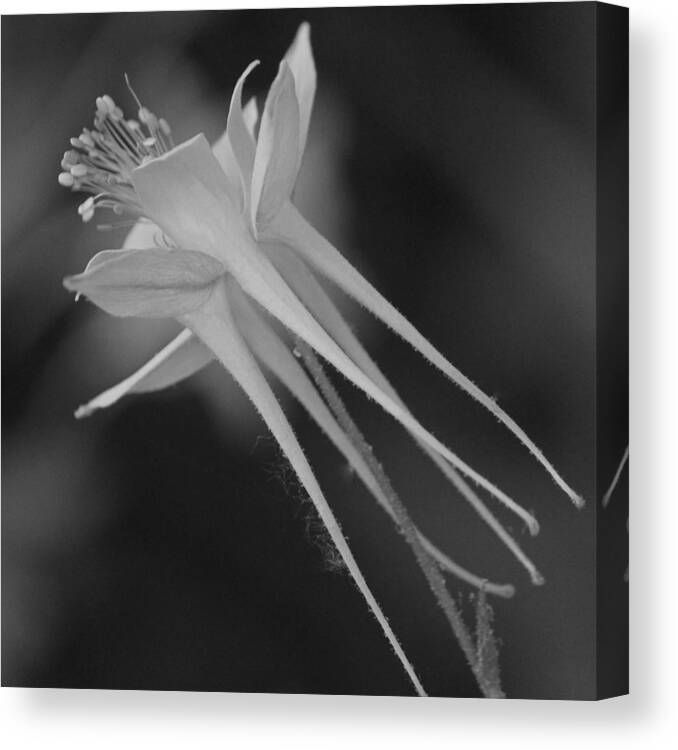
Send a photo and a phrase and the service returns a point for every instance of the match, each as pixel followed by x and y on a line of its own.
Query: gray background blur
pixel 451 157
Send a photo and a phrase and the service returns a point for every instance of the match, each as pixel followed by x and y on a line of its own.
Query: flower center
pixel 102 159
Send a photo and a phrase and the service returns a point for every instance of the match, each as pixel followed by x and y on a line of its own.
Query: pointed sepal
pixel 180 359
pixel 300 59
pixel 277 156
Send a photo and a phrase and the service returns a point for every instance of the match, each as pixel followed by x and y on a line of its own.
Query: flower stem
pixel 405 524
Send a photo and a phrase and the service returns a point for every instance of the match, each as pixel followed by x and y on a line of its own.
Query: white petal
pixel 250 115
pixel 276 159
pixel 187 193
pixel 240 140
pixel 241 124
pixel 214 325
pixel 300 59
pixel 223 153
pixel 152 283
pixel 180 359
pixel 143 234
pixel 294 230
pixel 311 293
pixel 270 349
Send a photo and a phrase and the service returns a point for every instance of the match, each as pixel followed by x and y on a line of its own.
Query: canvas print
pixel 315 360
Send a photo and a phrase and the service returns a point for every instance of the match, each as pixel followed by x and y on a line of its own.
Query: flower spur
pixel 222 249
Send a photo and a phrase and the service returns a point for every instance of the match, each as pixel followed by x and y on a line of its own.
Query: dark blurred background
pixel 157 545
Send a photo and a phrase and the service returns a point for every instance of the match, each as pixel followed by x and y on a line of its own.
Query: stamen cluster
pixel 102 159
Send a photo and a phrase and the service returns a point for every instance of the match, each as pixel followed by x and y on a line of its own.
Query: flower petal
pixel 276 159
pixel 239 139
pixel 214 325
pixel 274 354
pixel 311 293
pixel 300 59
pixel 143 234
pixel 153 283
pixel 187 193
pixel 223 153
pixel 180 359
pixel 250 115
pixel 291 228
pixel 238 129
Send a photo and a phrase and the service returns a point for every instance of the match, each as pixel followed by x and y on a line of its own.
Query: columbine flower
pixel 220 248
